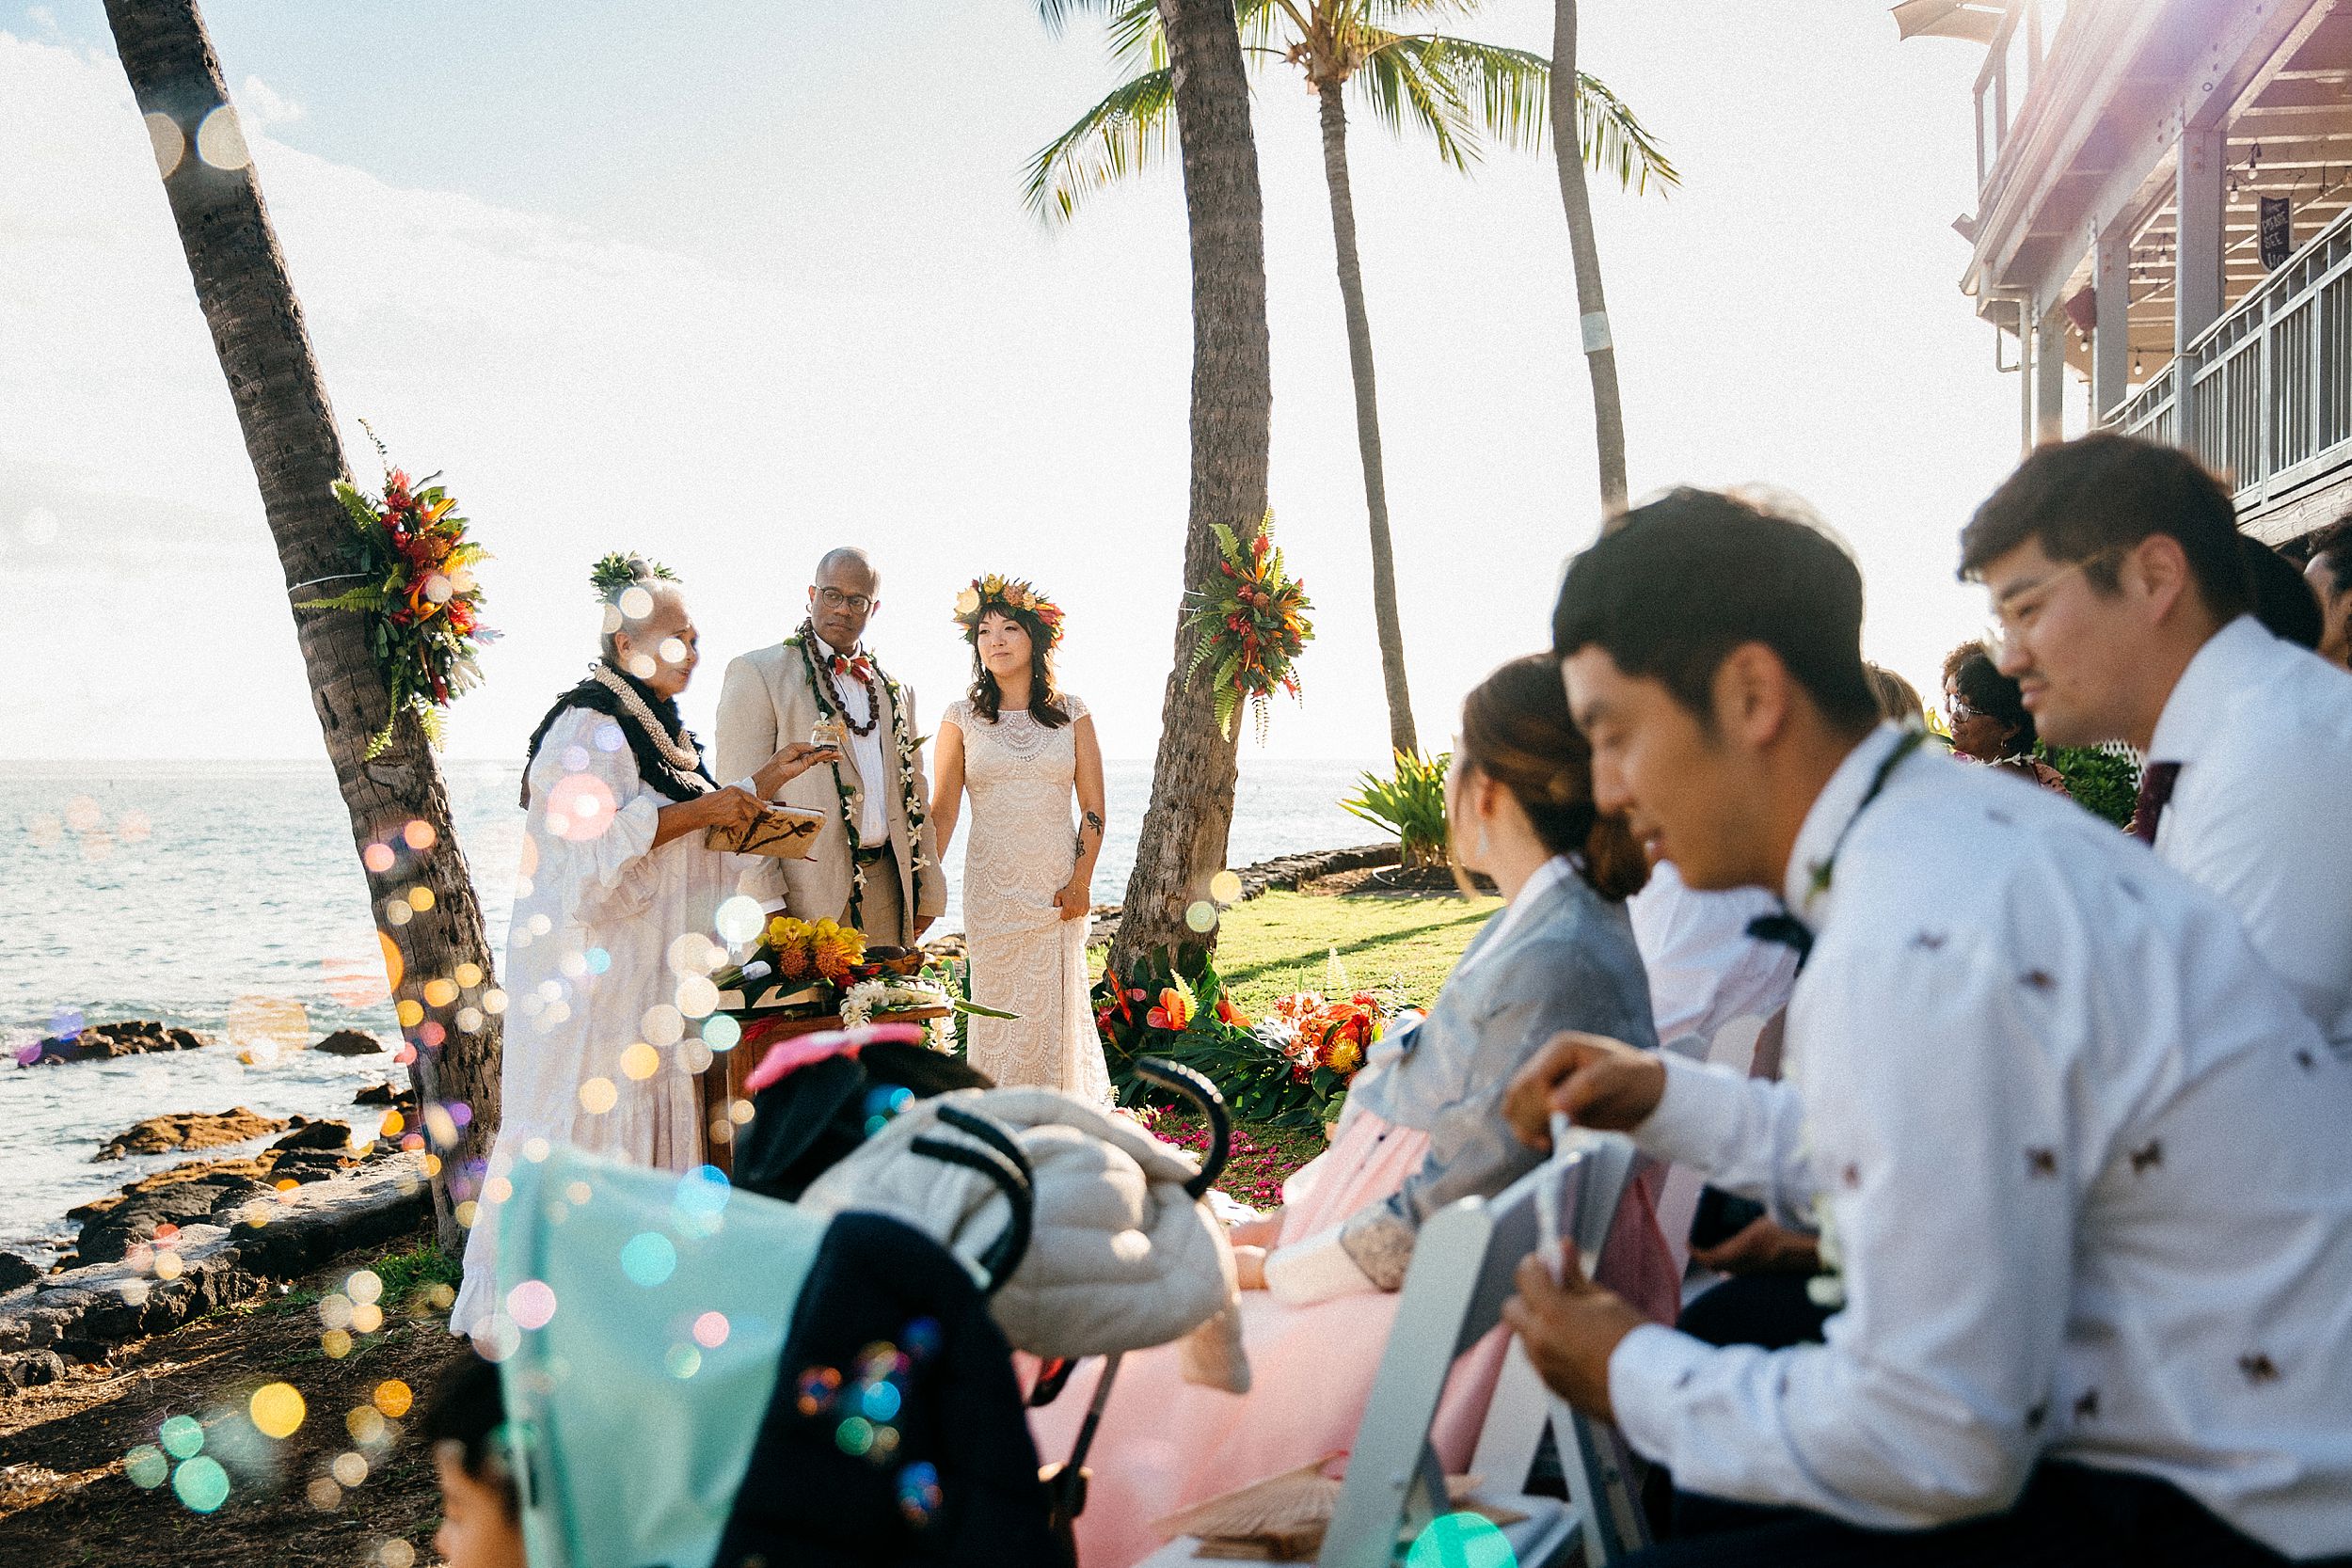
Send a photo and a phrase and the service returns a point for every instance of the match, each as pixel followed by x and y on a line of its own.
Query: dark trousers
pixel 2071 1516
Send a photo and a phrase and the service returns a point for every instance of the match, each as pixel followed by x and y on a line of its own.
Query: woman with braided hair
pixel 617 885
pixel 1022 747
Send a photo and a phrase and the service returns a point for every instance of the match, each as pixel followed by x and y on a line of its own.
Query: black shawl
pixel 596 697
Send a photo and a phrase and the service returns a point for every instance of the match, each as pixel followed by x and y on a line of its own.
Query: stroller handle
pixel 1000 1160
pixel 1194 1085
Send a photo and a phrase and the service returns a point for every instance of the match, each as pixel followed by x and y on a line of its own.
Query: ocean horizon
pixel 226 896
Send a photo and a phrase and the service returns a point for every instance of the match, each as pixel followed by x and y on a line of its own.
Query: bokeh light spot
pixel 531 1303
pixel 1202 915
pixel 1225 887
pixel 641 1061
pixel 146 1466
pixel 710 1330
pixel 599 1095
pixel 180 1435
pixel 648 1258
pixel 349 1470
pixel 420 834
pixel 220 141
pixel 163 135
pixel 277 1409
pixel 394 1398
pixel 1461 1541
pixel 201 1483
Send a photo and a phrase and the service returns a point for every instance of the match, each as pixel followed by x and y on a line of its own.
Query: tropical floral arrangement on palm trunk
pixel 1291 1066
pixel 1250 624
pixel 422 603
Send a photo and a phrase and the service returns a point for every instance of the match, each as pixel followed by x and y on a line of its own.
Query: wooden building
pixel 2164 227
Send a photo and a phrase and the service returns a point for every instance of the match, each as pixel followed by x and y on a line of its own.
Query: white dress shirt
pixel 866 755
pixel 1704 970
pixel 2263 731
pixel 2083 1162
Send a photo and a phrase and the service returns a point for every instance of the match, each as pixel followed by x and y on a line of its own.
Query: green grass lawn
pixel 1289 942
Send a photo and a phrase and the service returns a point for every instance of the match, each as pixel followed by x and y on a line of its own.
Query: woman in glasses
pixel 1987 713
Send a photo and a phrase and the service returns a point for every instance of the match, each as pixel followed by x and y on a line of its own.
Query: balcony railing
pixel 2264 394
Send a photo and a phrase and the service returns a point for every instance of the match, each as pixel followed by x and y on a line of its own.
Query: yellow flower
pixel 1346 1056
pixel 968 603
pixel 835 951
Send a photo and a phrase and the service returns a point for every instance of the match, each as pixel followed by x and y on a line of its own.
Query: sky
pixel 730 282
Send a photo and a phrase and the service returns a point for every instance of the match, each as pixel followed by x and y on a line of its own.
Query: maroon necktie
pixel 2155 790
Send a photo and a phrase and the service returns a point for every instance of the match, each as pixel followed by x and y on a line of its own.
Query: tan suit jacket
pixel 766 702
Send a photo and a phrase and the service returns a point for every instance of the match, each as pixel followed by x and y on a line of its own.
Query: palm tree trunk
pixel 248 303
pixel 1384 615
pixel 1600 353
pixel 1184 836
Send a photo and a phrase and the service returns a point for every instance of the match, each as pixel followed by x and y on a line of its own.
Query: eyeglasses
pixel 1959 712
pixel 833 598
pixel 2014 615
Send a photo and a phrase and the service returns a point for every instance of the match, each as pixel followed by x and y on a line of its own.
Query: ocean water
pixel 227 897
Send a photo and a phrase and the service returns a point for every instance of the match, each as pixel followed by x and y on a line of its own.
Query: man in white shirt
pixel 2124 613
pixel 2081 1162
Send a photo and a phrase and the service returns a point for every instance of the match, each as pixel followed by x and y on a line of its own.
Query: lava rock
pixel 103 1041
pixel 191 1130
pixel 386 1093
pixel 30 1368
pixel 311 1164
pixel 15 1271
pixel 108 1235
pixel 316 1135
pixel 350 1043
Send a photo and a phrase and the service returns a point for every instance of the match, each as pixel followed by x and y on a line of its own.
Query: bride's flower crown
pixel 1010 597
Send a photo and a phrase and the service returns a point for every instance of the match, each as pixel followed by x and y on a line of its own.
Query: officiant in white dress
pixel 1023 749
pixel 600 1047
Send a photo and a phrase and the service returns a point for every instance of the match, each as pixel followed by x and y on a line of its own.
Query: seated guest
pixel 1898 700
pixel 1989 719
pixel 1423 1128
pixel 2330 572
pixel 2124 610
pixel 2284 600
pixel 2081 1163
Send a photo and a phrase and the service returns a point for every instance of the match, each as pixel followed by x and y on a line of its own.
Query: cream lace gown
pixel 1020 777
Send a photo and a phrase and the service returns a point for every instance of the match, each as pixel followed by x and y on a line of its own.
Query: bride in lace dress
pixel 1021 749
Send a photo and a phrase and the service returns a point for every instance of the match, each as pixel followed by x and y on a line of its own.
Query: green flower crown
pixel 616 572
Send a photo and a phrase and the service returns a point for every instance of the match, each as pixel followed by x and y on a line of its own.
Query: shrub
pixel 2103 781
pixel 1410 803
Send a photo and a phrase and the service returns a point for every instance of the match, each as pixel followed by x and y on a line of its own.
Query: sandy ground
pixel 65 1497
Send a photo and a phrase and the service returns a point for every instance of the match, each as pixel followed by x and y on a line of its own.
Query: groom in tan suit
pixel 886 879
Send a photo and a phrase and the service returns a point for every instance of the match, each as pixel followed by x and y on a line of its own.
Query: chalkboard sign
pixel 2278 230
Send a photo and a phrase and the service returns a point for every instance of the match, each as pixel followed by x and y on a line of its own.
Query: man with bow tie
pixel 875 865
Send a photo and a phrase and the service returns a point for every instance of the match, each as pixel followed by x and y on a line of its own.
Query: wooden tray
pixel 723 1080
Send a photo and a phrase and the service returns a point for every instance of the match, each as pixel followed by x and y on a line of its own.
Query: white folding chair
pixel 1461 1275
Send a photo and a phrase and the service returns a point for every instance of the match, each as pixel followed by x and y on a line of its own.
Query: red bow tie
pixel 862 667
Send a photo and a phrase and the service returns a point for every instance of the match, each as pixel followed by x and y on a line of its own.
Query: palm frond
pixel 1616 142
pixel 1408 81
pixel 1057 14
pixel 1510 88
pixel 1139 42
pixel 1123 134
